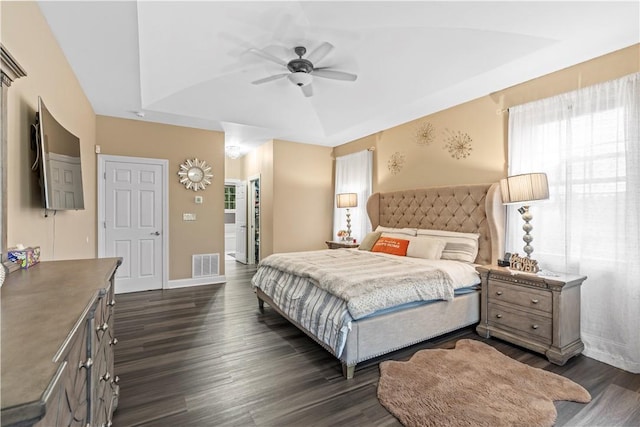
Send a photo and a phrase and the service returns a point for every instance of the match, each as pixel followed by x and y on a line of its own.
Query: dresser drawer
pixel 520 295
pixel 502 316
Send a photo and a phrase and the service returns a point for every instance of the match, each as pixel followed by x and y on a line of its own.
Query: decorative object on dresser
pixel 523 189
pixel 448 387
pixel 347 200
pixel 541 313
pixel 57 344
pixel 332 244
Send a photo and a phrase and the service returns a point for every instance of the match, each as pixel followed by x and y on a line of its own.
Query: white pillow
pixel 459 246
pixel 425 247
pixel 396 232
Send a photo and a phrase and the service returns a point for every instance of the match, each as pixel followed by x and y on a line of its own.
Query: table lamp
pixel 347 200
pixel 523 189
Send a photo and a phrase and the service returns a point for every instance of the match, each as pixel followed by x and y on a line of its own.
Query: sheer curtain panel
pixel 588 143
pixel 353 175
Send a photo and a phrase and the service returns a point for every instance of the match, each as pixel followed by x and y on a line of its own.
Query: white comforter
pixel 369 281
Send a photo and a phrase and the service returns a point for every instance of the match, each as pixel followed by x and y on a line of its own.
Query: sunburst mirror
pixel 195 174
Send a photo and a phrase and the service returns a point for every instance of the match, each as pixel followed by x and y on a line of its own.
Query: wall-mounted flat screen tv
pixel 58 161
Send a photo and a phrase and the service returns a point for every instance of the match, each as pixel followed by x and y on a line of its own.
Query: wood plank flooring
pixel 205 356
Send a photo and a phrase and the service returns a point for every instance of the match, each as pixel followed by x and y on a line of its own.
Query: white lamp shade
pixel 524 188
pixel 347 200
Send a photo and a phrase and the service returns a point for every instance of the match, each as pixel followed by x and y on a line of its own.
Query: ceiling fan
pixel 302 70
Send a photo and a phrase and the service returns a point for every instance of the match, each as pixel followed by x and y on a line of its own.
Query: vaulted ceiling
pixel 193 63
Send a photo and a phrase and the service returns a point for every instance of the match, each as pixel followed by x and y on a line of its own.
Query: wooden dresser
pixel 541 313
pixel 57 344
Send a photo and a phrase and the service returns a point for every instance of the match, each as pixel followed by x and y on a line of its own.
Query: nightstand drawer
pixel 520 295
pixel 506 317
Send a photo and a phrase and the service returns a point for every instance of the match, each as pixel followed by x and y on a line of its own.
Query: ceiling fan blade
pixel 333 74
pixel 320 52
pixel 270 78
pixel 267 55
pixel 307 90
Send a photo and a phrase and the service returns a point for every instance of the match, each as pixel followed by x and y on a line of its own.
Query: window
pixel 588 143
pixel 229 197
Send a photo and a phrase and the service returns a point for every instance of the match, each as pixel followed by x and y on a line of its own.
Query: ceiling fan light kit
pixel 302 70
pixel 300 78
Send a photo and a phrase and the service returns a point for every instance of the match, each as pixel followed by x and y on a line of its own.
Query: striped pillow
pixel 459 246
pixel 398 233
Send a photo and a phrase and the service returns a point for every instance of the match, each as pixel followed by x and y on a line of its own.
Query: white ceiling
pixel 188 63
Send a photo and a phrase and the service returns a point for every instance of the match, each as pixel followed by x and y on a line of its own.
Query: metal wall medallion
pixel 458 144
pixel 396 162
pixel 425 134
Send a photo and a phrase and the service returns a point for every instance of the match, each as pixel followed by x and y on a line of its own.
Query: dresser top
pixel 40 308
pixel 557 279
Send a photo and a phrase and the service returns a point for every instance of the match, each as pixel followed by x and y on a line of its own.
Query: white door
pixel 241 222
pixel 134 221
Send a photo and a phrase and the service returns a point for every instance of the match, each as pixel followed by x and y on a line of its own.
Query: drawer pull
pixel 116 380
pixel 499 316
pixel 102 327
pixel 499 293
pixel 112 303
pixel 114 341
pixel 86 364
pixel 534 326
pixel 535 301
pixel 105 377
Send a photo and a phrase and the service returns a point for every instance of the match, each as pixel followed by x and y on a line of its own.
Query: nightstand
pixel 331 244
pixel 541 313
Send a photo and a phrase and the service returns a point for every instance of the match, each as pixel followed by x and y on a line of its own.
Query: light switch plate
pixel 188 217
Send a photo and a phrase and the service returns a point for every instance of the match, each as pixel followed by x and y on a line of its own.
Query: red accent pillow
pixel 392 246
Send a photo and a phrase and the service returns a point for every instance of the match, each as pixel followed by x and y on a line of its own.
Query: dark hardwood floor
pixel 205 356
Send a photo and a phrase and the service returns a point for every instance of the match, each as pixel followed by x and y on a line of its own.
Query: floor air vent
pixel 205 265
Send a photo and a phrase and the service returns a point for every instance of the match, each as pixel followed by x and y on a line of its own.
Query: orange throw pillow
pixel 392 246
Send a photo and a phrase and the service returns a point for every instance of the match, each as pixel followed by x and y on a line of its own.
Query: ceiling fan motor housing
pixel 300 65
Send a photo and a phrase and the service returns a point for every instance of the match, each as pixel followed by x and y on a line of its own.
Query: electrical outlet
pixel 188 217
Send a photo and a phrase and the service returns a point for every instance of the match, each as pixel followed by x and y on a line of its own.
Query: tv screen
pixel 58 160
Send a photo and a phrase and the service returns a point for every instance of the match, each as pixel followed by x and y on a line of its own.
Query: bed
pixel 371 332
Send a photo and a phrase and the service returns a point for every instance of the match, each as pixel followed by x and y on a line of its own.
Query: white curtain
pixel 588 143
pixel 353 175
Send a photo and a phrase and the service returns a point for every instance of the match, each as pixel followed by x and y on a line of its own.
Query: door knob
pixel 157 233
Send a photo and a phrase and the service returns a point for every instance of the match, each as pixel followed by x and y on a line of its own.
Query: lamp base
pixel 527 227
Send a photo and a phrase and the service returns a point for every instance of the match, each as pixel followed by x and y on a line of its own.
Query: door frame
pixel 251 238
pixel 101 178
pixel 244 208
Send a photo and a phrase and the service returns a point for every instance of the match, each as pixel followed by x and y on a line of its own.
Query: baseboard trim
pixel 198 281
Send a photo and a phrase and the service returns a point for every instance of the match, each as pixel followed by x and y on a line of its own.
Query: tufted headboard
pixel 465 208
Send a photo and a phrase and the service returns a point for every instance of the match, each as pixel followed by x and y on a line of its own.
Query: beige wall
pixel 296 195
pixel 485 120
pixel 303 196
pixel 234 168
pixel 68 234
pixel 259 162
pixel 144 139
